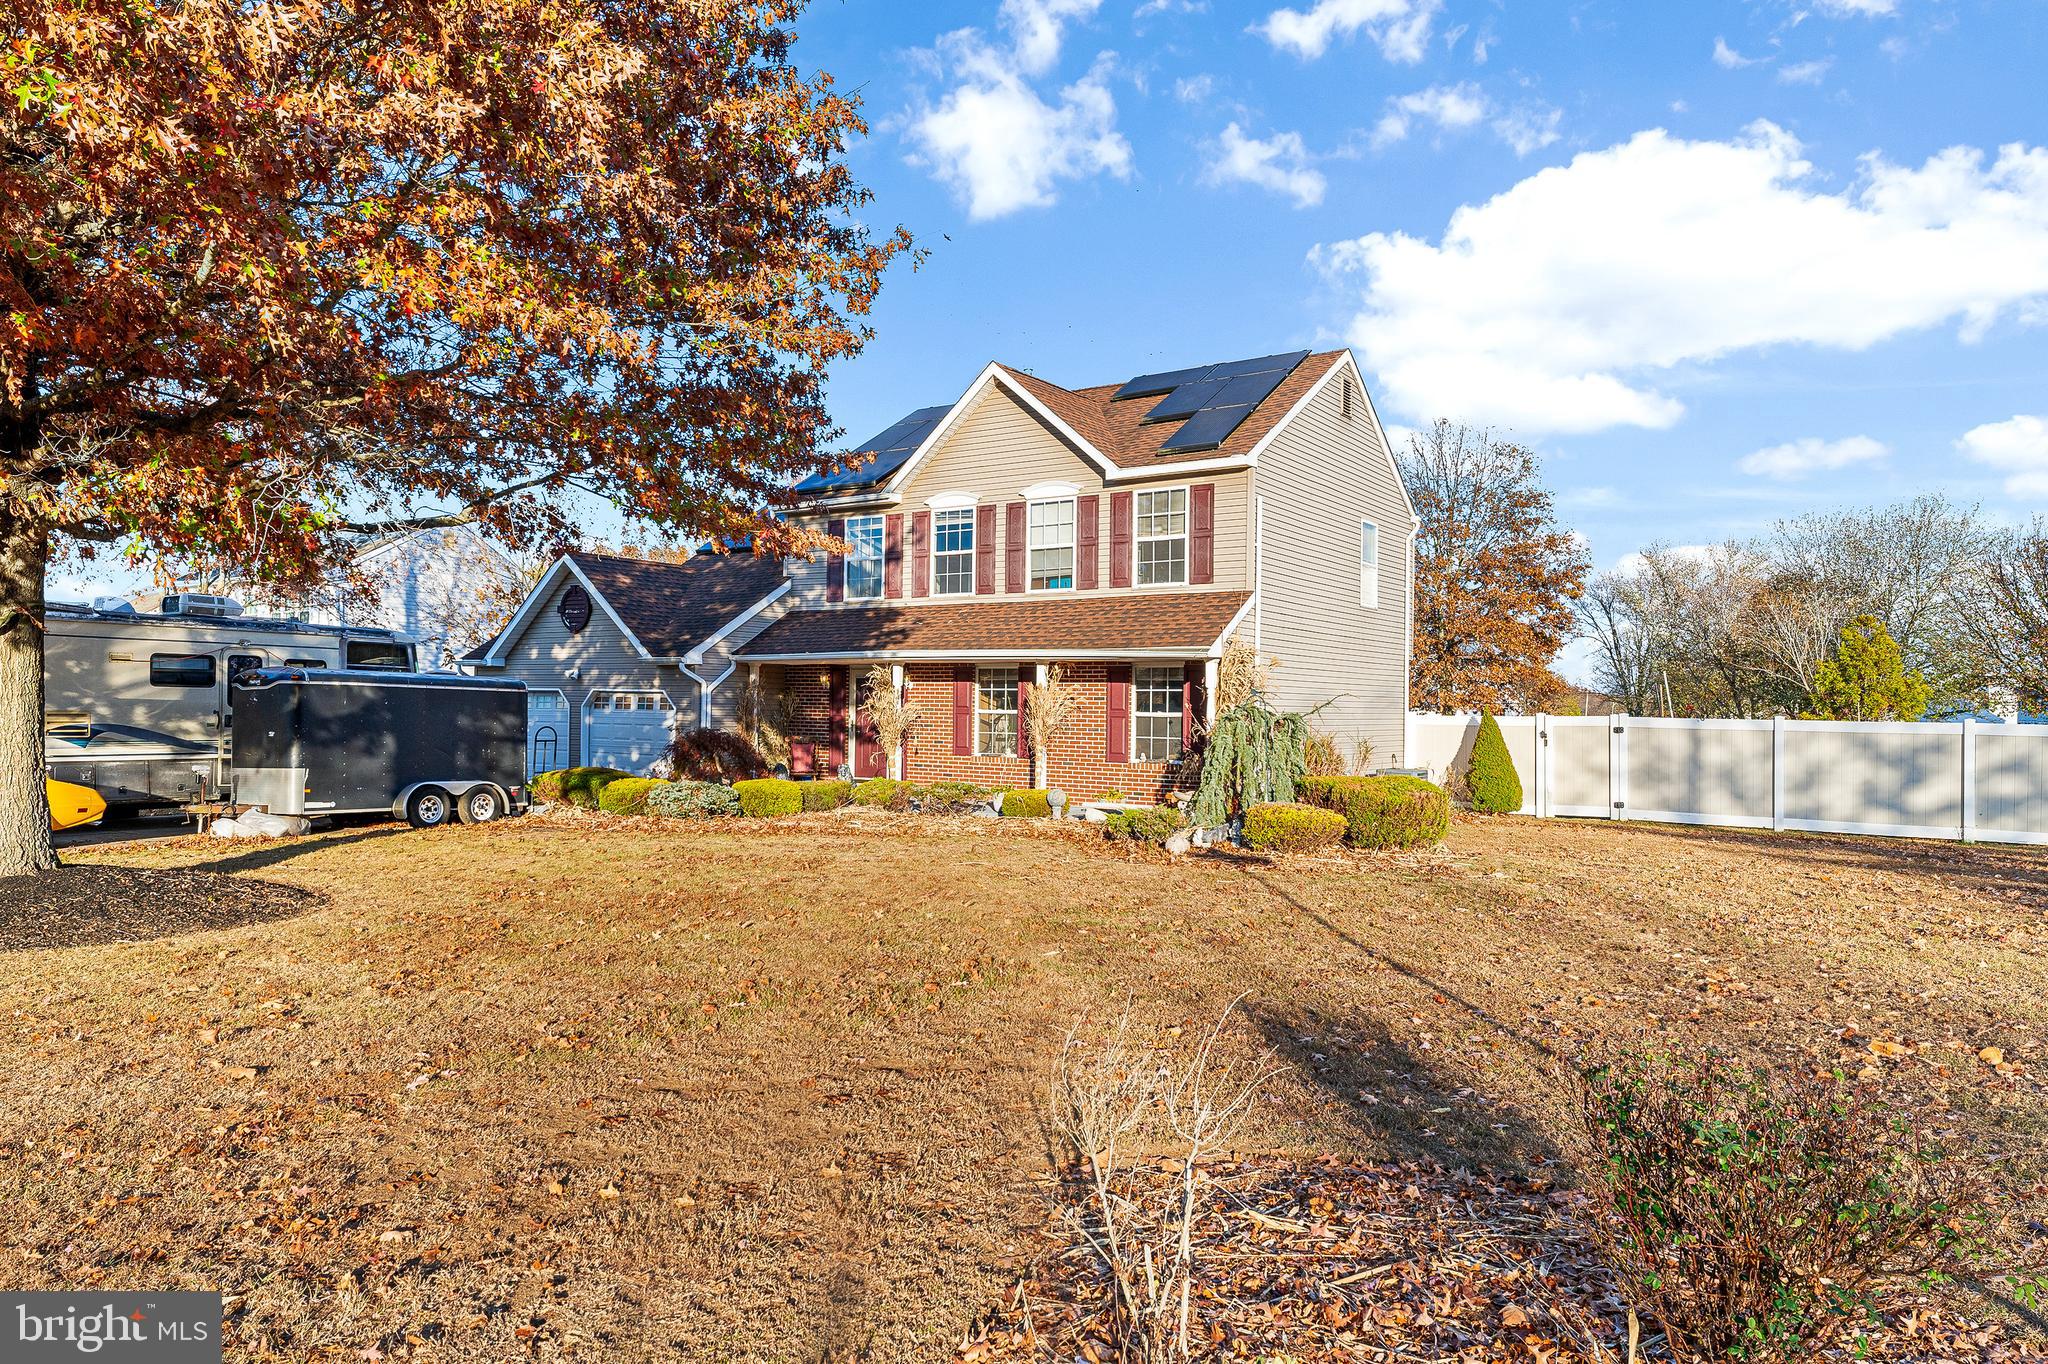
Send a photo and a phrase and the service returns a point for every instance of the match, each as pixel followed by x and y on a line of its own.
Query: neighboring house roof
pixel 1178 623
pixel 665 609
pixel 1113 431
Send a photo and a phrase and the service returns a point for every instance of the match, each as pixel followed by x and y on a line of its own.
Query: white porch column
pixel 1212 677
pixel 896 759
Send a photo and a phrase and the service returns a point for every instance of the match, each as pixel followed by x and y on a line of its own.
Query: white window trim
pixel 1187 534
pixel 1137 690
pixel 1073 543
pixel 881 560
pixel 973 551
pixel 950 501
pixel 1017 715
pixel 1368 573
pixel 1050 492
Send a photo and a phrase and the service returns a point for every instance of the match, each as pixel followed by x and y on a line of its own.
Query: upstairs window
pixel 953 551
pixel 864 563
pixel 1157 695
pixel 1368 564
pixel 1052 545
pixel 1162 531
pixel 995 712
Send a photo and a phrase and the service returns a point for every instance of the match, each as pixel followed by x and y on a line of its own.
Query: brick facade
pixel 1077 764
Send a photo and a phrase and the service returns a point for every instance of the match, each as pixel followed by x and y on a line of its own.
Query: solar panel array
pixel 886 452
pixel 1211 400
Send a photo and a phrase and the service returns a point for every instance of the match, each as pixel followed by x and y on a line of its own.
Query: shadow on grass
pixel 94 906
pixel 2000 868
pixel 271 852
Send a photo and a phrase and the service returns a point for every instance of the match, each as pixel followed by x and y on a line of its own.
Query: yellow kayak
pixel 72 806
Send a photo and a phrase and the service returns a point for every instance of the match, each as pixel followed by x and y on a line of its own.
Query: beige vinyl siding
pixel 999 449
pixel 1319 478
pixel 545 653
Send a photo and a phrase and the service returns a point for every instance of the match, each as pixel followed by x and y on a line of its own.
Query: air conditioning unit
pixel 114 606
pixel 199 604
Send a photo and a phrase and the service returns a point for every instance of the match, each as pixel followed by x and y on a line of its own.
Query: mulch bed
pixel 1328 1261
pixel 93 905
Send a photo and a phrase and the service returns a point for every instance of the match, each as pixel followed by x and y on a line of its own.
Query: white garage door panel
pixel 626 730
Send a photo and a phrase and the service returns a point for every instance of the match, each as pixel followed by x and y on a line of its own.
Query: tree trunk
pixel 24 807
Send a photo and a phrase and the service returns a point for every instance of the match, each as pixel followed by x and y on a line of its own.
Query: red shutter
pixel 1202 533
pixel 835 564
pixel 1025 672
pixel 963 710
pixel 835 735
pixel 892 555
pixel 1087 530
pixel 1119 539
pixel 1191 706
pixel 920 553
pixel 1013 548
pixel 985 548
pixel 1116 704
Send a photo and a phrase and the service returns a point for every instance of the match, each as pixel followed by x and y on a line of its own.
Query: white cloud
pixel 1447 106
pixel 994 139
pixel 1806 73
pixel 1194 89
pixel 1556 305
pixel 2018 448
pixel 1279 163
pixel 1453 108
pixel 1154 7
pixel 1862 9
pixel 1798 458
pixel 1728 59
pixel 1400 28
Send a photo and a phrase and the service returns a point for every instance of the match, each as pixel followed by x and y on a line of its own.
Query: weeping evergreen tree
pixel 1253 754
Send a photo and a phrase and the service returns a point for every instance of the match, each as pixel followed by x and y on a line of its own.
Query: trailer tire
pixel 429 808
pixel 480 805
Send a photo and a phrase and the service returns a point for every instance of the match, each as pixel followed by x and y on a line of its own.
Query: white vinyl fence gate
pixel 1958 779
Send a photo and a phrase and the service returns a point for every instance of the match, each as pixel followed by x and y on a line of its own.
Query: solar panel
pixel 1248 391
pixel 1283 363
pixel 1207 429
pixel 889 452
pixel 1152 385
pixel 1186 400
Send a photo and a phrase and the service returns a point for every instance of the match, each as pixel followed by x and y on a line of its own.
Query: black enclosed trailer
pixel 429 746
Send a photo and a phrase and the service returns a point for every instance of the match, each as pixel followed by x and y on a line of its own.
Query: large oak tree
pixel 280 271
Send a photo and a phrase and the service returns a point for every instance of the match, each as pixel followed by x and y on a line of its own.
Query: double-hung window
pixel 1368 564
pixel 1156 696
pixel 864 561
pixel 953 551
pixel 1052 545
pixel 995 712
pixel 1162 528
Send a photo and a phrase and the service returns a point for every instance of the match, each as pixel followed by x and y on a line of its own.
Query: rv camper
pixel 137 706
pixel 432 747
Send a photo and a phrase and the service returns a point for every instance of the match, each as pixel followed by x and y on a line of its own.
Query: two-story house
pixel 1124 533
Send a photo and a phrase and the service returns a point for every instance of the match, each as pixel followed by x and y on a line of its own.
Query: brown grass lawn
pixel 628 1090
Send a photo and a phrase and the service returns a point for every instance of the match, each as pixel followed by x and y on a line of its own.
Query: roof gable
pixel 665 610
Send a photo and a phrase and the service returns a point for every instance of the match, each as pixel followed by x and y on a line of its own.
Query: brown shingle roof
pixel 671 608
pixel 1117 431
pixel 1051 627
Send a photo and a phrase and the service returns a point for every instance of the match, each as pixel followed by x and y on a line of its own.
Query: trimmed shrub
pixel 1288 826
pixel 1491 779
pixel 952 797
pixel 627 795
pixel 692 800
pixel 826 795
pixel 714 755
pixel 1151 824
pixel 884 793
pixel 582 785
pixel 1756 1215
pixel 1026 804
pixel 1383 812
pixel 765 797
pixel 547 786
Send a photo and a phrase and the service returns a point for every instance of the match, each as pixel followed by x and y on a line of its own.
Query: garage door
pixel 626 729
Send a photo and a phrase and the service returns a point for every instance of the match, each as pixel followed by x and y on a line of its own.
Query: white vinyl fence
pixel 1960 779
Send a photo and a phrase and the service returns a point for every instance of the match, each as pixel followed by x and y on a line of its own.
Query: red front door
pixel 868 758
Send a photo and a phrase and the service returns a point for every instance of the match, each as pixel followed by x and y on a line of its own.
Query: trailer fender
pixel 456 790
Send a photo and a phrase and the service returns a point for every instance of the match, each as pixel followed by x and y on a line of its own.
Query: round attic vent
pixel 575 610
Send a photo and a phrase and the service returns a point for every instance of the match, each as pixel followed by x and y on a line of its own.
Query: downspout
pixel 705 688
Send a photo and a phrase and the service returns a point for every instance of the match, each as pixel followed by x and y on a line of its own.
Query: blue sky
pixel 1719 262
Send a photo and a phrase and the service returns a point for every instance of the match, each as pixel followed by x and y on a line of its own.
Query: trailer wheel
pixel 480 806
pixel 429 808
